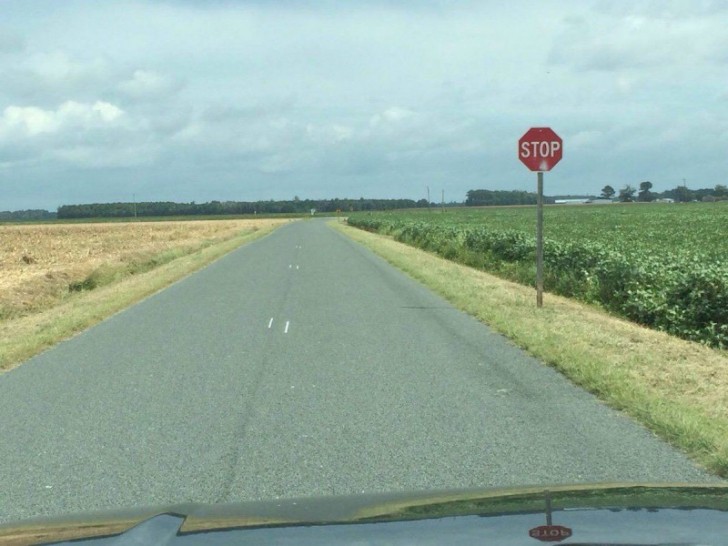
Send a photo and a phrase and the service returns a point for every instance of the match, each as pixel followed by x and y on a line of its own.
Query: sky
pixel 250 100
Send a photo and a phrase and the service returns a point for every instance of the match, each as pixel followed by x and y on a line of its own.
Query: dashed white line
pixel 285 330
pixel 270 323
pixel 290 266
pixel 296 267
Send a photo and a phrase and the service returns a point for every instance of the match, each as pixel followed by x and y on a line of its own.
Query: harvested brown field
pixel 43 264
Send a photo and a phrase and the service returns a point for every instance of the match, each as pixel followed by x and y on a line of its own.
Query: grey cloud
pixel 10 42
pixel 46 79
pixel 623 36
pixel 49 78
pixel 229 113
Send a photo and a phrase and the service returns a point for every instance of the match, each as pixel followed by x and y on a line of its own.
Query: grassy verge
pixel 106 292
pixel 677 388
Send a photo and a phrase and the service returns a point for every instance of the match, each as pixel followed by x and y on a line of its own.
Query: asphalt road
pixel 299 365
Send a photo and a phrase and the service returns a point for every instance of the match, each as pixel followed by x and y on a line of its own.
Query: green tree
pixel 608 192
pixel 626 194
pixel 645 194
pixel 682 194
pixel 721 191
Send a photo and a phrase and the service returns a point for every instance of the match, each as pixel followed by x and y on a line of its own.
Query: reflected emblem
pixel 550 533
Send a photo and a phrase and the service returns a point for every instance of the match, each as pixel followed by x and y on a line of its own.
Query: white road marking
pixel 296 267
pixel 285 331
pixel 290 266
pixel 270 323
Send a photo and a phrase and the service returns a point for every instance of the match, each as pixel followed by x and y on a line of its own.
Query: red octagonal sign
pixel 540 149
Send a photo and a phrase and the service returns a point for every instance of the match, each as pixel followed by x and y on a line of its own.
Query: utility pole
pixel 428 198
pixel 133 198
pixel 443 200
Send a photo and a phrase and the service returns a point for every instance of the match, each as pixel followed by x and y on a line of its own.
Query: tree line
pixel 680 194
pixel 483 198
pixel 476 197
pixel 23 215
pixel 214 208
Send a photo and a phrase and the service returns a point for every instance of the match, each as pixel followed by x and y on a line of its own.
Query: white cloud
pixel 29 121
pixel 86 135
pixel 394 114
pixel 146 84
pixel 663 9
pixel 334 133
pixel 585 139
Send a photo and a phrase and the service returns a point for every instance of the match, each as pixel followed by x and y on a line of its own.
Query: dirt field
pixel 41 264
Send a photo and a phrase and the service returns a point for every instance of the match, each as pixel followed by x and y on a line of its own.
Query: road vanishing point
pixel 299 365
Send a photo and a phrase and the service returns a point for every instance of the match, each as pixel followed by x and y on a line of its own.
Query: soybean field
pixel 660 265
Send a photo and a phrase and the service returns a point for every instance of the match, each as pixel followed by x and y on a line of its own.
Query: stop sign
pixel 540 149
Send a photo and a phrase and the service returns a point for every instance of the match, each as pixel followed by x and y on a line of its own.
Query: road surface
pixel 299 365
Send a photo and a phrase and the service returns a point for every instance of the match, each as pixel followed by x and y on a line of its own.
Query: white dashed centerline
pixel 270 323
pixel 285 330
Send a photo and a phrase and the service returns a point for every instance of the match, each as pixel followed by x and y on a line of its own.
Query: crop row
pixel 684 296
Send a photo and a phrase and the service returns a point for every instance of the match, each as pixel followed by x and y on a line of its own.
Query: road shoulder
pixel 28 336
pixel 675 388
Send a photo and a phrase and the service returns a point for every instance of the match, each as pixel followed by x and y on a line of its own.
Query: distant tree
pixel 626 194
pixel 35 214
pixel 607 192
pixel 480 198
pixel 682 194
pixel 721 191
pixel 645 194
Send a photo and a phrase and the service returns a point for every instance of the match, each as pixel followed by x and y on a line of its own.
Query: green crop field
pixel 661 265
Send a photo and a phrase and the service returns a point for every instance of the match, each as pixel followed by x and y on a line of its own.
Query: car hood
pixel 584 514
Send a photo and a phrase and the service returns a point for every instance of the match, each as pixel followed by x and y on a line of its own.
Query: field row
pixel 659 266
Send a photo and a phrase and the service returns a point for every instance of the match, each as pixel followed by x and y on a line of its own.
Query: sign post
pixel 539 149
pixel 550 532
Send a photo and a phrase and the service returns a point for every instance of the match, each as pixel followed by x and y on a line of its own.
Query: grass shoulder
pixel 676 388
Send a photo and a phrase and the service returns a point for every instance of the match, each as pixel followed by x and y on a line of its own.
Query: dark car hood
pixel 585 514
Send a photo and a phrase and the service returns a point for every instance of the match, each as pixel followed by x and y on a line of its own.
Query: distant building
pixel 600 202
pixel 665 200
pixel 571 201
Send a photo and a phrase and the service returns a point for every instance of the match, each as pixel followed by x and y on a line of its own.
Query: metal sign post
pixel 539 241
pixel 539 150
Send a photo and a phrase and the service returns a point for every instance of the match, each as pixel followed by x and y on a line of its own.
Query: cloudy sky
pixel 245 100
